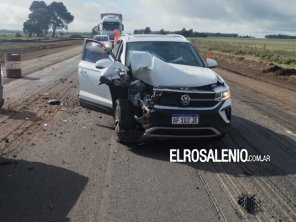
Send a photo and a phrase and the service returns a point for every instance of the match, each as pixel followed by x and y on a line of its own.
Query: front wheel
pixel 125 123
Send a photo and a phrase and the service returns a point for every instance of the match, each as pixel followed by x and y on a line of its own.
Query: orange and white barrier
pixel 13 65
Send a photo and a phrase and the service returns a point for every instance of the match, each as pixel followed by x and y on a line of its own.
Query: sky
pixel 245 17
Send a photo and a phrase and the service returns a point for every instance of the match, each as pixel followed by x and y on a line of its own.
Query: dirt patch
pixel 34 49
pixel 250 67
pixel 277 70
pixel 21 118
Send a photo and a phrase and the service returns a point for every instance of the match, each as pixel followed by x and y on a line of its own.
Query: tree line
pixel 280 36
pixel 43 17
pixel 187 33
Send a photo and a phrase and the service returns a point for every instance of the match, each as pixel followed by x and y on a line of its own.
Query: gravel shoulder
pixel 253 68
pixel 34 49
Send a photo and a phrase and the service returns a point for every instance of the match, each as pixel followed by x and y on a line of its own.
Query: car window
pixel 101 38
pixel 116 47
pixel 118 56
pixel 182 53
pixel 94 51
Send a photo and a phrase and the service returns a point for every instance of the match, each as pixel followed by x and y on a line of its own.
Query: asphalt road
pixel 62 163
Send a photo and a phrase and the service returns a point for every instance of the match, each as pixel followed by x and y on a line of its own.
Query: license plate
pixel 180 119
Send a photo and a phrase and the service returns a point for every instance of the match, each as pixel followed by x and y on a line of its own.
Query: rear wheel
pixel 125 123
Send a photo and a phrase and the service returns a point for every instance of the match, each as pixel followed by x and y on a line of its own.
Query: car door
pixel 92 95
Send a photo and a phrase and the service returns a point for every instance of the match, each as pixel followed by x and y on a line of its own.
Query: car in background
pixel 155 86
pixel 104 39
pixel 1 88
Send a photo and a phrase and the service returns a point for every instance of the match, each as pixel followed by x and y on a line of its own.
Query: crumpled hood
pixel 156 72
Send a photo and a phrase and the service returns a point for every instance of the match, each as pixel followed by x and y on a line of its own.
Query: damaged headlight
pixel 221 89
pixel 222 93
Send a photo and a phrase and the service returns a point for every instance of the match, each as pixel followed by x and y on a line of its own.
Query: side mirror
pixel 211 63
pixel 103 63
pixel 109 49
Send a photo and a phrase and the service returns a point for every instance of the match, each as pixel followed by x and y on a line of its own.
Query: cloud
pixel 87 13
pixel 13 15
pixel 243 16
pixel 235 16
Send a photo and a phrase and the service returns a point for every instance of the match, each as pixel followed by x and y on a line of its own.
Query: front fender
pixel 112 71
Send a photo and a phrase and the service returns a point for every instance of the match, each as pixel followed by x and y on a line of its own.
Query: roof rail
pixel 177 35
pixel 145 35
pixel 128 35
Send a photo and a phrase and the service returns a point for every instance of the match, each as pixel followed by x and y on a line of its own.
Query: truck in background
pixel 109 23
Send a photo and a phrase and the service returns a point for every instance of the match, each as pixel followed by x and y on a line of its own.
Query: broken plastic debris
pixel 54 102
pixel 249 203
pixel 45 124
pixel 44 94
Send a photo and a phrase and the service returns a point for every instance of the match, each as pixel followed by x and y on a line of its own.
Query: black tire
pixel 125 123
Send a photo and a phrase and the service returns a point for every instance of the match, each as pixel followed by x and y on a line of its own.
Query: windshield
pixel 110 26
pixel 182 53
pixel 101 38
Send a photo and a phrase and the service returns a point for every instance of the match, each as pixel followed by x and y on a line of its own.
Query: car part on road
pixel 54 102
pixel 249 203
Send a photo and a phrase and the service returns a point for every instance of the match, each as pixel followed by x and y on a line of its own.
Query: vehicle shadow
pixel 19 115
pixel 243 134
pixel 32 191
pixel 105 126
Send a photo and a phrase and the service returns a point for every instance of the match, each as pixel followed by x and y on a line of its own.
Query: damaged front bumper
pixel 213 122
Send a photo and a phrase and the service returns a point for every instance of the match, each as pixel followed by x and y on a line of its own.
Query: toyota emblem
pixel 185 100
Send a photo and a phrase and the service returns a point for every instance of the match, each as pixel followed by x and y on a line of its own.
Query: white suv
pixel 155 86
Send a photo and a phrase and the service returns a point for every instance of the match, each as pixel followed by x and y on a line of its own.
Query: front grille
pixel 173 98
